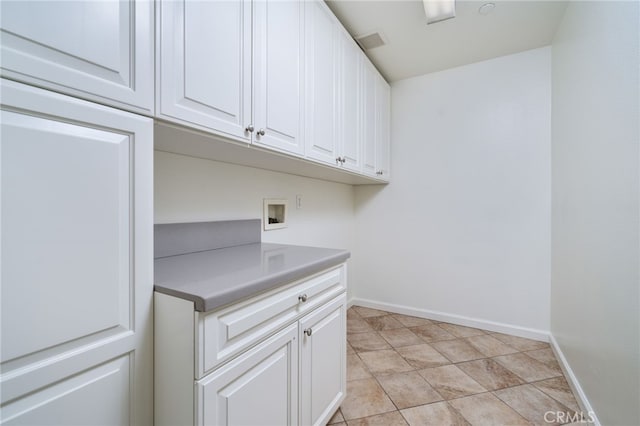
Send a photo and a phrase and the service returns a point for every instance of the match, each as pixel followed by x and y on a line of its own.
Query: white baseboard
pixel 582 400
pixel 529 333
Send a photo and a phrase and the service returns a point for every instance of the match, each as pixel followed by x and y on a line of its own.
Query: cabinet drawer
pixel 226 332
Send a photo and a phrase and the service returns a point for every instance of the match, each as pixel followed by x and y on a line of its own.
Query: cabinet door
pixel 257 388
pixel 77 218
pixel 350 122
pixel 383 100
pixel 369 118
pixel 323 362
pixel 204 64
pixel 278 74
pixel 96 50
pixel 321 76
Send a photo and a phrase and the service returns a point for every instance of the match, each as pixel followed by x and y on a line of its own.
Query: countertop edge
pixel 252 288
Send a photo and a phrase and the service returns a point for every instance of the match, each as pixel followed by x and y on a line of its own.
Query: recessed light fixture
pixel 486 8
pixel 439 10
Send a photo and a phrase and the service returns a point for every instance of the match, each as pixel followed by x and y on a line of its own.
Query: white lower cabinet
pixel 278 358
pixel 322 362
pixel 257 388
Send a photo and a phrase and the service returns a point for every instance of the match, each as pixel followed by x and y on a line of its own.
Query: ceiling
pixel 415 48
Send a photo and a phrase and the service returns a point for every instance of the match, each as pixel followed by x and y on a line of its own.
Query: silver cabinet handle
pixel 308 332
pixel 261 132
pixel 343 160
pixel 338 160
pixel 249 128
pixel 302 298
pixel 379 172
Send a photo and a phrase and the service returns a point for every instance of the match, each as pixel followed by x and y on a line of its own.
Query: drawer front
pixel 225 333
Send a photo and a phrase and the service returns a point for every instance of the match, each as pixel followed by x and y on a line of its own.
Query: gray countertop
pixel 214 278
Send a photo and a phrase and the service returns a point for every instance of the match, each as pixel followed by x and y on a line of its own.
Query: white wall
pixel 191 190
pixel 464 227
pixel 595 300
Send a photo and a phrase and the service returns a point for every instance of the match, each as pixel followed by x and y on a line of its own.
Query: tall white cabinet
pixel 76 230
pixel 234 68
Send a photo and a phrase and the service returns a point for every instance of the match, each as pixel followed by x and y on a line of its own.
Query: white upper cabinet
pixel 322 79
pixel 369 75
pixel 333 107
pixel 282 75
pixel 350 104
pixel 383 127
pixel 204 65
pixel 96 50
pixel 278 74
pixel 233 67
pixel 376 123
pixel 235 394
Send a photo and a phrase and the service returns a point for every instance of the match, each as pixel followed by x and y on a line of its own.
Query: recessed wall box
pixel 275 214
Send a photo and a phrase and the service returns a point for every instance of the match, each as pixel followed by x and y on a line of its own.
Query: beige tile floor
pixel 404 370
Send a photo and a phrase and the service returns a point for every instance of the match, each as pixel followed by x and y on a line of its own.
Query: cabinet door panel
pixel 205 64
pixel 369 118
pixel 278 71
pixel 321 77
pixel 323 362
pixel 350 104
pixel 80 177
pixel 258 387
pixel 77 217
pixel 97 50
pixel 383 100
pixel 74 399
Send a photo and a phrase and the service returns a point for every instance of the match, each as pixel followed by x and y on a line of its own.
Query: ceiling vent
pixel 370 41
